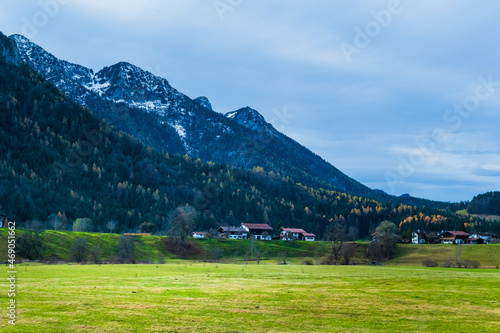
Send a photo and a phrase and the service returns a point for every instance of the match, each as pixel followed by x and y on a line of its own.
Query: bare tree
pixel 182 221
pixel 111 225
pixel 217 254
pixel 336 236
pixel 375 250
pixel 79 249
pixel 96 253
pixel 348 251
pixel 126 248
pixel 352 233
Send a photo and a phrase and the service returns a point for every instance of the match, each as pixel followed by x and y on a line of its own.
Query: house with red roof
pixel 260 231
pixel 454 237
pixel 296 234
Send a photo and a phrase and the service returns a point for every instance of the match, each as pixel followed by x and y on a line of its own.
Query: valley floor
pixel 183 296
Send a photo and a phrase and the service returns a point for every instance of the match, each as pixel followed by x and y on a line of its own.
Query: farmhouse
pixel 296 234
pixel 487 237
pixel 258 231
pixel 232 232
pixel 425 237
pixel 454 237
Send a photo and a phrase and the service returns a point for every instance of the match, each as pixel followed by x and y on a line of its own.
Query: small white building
pixel 200 235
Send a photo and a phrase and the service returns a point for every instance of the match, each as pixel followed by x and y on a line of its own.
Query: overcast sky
pixel 400 95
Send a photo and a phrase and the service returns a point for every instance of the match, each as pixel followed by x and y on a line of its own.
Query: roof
pixel 200 233
pixel 491 234
pixel 299 231
pixel 458 233
pixel 257 226
pixel 309 235
pixel 231 229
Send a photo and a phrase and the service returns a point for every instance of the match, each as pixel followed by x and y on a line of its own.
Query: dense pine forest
pixel 60 163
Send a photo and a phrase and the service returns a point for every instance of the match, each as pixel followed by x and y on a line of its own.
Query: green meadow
pixel 184 296
pixel 236 295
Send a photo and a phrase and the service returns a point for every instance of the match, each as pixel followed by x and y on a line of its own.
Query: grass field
pixel 414 255
pixel 182 296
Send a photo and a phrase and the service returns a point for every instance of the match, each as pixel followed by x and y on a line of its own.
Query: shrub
pixel 30 244
pixel 148 227
pixel 327 259
pixel 183 250
pixel 96 254
pixel 308 261
pixel 449 264
pixel 429 263
pixel 471 264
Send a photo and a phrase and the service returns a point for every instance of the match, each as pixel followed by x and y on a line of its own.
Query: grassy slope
pixel 414 255
pixel 149 248
pixel 200 297
pixel 483 216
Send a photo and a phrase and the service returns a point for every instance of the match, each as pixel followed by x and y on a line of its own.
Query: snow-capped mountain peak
pixel 203 101
pixel 249 118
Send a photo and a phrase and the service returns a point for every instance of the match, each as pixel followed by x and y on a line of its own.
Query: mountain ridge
pixel 242 138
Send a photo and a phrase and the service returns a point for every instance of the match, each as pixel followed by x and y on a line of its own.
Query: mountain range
pixel 61 161
pixel 150 109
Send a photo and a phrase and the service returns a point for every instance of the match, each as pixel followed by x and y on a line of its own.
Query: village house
pixel 454 237
pixel 232 232
pixel 296 234
pixel 425 237
pixel 200 235
pixel 258 231
pixel 487 237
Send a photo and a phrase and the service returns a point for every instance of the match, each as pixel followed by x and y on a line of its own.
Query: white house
pixel 259 231
pixel 199 235
pixel 232 232
pixel 296 234
pixel 487 237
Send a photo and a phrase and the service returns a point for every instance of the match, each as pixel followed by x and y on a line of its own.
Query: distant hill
pixel 485 204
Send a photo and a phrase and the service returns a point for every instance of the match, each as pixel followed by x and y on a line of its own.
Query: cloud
pixel 362 116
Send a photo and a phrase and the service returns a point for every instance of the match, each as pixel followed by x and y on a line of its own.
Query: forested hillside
pixel 488 203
